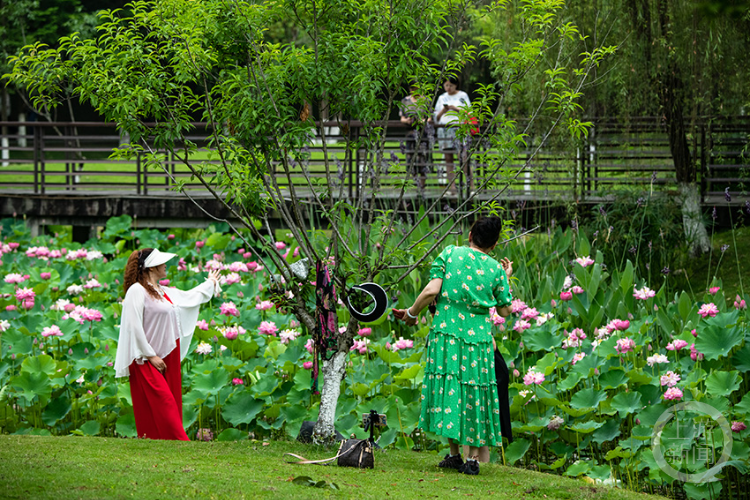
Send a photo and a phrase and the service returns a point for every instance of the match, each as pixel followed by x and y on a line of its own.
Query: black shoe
pixel 452 462
pixel 471 467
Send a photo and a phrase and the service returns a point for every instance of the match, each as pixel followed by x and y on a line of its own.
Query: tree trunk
pixel 333 372
pixel 692 222
pixel 686 171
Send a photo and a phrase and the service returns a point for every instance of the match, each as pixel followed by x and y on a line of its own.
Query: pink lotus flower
pixel 517 306
pixel 566 296
pixel 232 332
pixel 204 435
pixel 669 379
pixel 644 293
pixel 709 309
pixel 307 365
pixel 28 304
pixel 738 426
pixel 521 325
pixel 25 294
pixel 53 330
pixel 252 265
pixel 238 267
pixel 92 283
pixel 713 290
pixel 170 236
pixel 182 265
pixel 676 345
pixel 45 276
pixel 164 282
pixel 402 343
pixel 296 252
pixel 516 373
pixel 268 328
pixel 240 251
pixel 264 305
pixel 13 245
pixel 695 334
pixel 621 324
pixel 202 325
pixel 237 381
pixel 280 245
pixel 10 308
pixel 91 315
pixel 361 346
pixel 309 345
pixel 585 261
pixel 673 393
pixel 533 377
pixel 577 290
pixel 739 303
pixel 694 354
pixel 364 332
pixel 625 345
pixel 199 244
pixel 229 309
pixel 529 313
pixel 69 308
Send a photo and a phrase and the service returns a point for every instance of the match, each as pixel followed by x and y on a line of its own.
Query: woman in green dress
pixel 459 392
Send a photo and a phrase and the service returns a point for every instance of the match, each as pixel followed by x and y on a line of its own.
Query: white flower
pixel 204 348
pixel 75 290
pixel 656 358
pixel 60 305
pixel 287 336
pixel 568 282
pixel 94 254
pixel 4 325
pixel 80 380
pixel 543 318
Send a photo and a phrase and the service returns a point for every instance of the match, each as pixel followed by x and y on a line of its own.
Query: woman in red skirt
pixel 156 327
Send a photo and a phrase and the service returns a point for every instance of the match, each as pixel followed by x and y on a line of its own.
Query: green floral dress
pixel 459 392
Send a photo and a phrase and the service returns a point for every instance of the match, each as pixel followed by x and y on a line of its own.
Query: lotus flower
pixel 644 293
pixel 268 328
pixel 585 261
pixel 709 309
pixel 673 393
pixel 229 309
pixel 287 336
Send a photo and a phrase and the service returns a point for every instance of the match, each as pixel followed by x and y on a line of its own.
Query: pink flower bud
pixel 307 365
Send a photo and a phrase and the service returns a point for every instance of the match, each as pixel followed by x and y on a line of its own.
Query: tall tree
pixel 164 62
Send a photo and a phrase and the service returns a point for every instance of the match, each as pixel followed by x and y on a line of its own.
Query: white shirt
pixel 151 327
pixel 460 99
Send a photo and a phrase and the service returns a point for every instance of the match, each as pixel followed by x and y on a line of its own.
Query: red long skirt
pixel 157 398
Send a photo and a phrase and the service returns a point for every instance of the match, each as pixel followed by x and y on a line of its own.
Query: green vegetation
pixel 33 467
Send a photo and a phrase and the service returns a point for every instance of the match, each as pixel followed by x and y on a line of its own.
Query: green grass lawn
pixel 34 467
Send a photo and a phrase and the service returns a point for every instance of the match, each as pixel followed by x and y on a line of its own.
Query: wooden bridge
pixel 63 173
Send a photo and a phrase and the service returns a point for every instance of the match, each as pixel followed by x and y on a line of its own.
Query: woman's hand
pixel 507 266
pixel 158 363
pixel 401 315
pixel 214 275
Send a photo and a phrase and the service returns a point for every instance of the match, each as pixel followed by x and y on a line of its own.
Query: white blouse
pixel 151 327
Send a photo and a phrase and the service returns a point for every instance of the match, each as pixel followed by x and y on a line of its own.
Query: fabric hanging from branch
pixel 326 327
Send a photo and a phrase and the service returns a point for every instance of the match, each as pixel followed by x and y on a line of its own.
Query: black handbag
pixel 356 453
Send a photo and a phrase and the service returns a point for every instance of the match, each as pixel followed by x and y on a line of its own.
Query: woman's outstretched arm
pixel 428 294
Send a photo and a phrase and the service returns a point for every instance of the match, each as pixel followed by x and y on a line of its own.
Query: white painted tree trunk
pixel 695 231
pixel 333 371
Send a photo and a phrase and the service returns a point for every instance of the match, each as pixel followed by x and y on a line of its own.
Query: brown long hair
pixel 136 273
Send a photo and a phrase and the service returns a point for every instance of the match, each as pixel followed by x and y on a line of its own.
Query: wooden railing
pixel 74 159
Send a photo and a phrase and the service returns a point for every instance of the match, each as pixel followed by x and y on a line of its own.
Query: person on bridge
pixel 157 324
pixel 459 392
